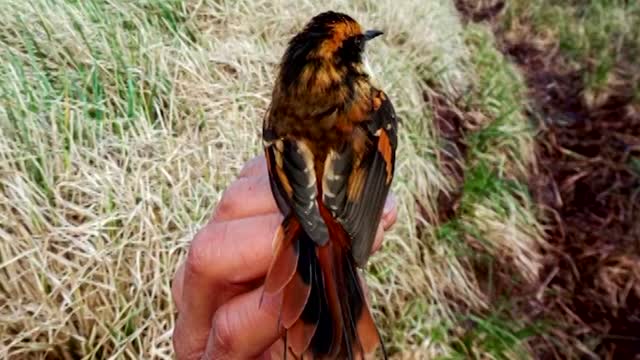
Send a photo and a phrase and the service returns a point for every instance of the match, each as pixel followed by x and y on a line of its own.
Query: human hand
pixel 217 290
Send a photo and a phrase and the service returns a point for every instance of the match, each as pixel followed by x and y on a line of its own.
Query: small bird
pixel 330 137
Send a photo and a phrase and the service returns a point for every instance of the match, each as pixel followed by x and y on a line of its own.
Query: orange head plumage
pixel 322 80
pixel 330 39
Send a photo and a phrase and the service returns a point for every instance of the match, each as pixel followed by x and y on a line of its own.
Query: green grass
pixel 495 228
pixel 500 336
pixel 599 35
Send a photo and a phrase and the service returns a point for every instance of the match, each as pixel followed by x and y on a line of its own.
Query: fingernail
pixel 389 204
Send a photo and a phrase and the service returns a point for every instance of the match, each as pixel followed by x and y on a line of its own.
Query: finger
pixel 390 212
pixel 244 328
pixel 246 197
pixel 176 287
pixel 276 351
pixel 377 242
pixel 222 259
pixel 389 217
pixel 254 167
pixel 231 253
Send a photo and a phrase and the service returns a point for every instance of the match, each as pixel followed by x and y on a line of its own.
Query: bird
pixel 330 139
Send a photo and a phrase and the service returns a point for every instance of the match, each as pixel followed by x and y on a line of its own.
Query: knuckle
pixel 231 200
pixel 246 168
pixel 252 166
pixel 224 337
pixel 202 259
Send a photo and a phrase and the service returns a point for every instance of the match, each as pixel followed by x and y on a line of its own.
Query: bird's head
pixel 329 46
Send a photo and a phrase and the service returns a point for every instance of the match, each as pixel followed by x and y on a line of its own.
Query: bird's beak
pixel 370 34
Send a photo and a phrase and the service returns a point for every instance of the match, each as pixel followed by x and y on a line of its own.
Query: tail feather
pixel 285 261
pixel 306 325
pixel 351 303
pixel 297 292
pixel 328 268
pixel 323 307
pixel 354 307
pixel 300 335
pixel 368 336
pixel 367 332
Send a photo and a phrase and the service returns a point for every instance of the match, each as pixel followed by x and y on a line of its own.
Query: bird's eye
pixel 359 43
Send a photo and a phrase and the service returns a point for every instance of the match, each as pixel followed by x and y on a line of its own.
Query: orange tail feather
pixel 323 307
pixel 285 261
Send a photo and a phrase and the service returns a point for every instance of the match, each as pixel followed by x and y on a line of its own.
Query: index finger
pixel 246 197
pixel 254 167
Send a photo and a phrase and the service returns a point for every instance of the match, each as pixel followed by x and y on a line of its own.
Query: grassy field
pixel 121 123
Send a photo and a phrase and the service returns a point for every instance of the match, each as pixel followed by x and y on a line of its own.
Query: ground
pixel 121 123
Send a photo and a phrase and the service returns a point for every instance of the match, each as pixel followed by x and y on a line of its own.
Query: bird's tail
pixel 323 307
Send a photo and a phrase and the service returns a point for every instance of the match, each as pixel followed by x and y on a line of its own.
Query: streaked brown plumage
pixel 330 140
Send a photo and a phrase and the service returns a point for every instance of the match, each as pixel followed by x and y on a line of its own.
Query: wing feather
pixel 355 187
pixel 293 182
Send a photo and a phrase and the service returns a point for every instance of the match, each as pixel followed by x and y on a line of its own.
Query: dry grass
pixel 122 122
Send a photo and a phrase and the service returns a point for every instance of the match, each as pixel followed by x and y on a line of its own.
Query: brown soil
pixel 588 150
pixel 450 120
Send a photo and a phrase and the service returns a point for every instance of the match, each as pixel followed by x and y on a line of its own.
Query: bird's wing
pixel 293 183
pixel 357 177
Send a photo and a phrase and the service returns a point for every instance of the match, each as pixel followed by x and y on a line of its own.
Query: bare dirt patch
pixel 449 119
pixel 586 155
